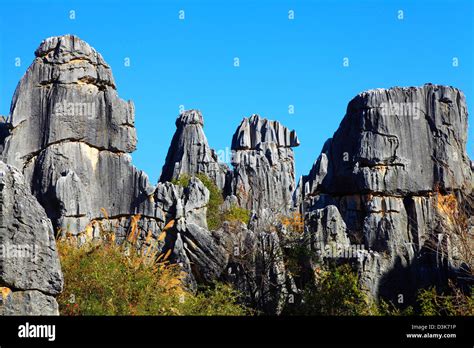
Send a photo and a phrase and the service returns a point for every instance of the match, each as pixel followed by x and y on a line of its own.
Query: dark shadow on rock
pixel 402 283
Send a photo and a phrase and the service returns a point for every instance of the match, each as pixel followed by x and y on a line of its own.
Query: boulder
pixel 397 141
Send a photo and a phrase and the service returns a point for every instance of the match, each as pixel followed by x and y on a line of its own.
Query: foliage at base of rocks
pixel 101 278
pixel 335 292
pixel 237 214
pixel 215 215
pixel 430 302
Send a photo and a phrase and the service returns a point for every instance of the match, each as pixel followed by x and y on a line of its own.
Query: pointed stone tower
pixel 189 152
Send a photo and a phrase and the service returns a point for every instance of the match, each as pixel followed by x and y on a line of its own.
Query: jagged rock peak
pixel 69 134
pixel 66 48
pixel 264 174
pixel 256 130
pixel 67 94
pixel 190 117
pixel 71 50
pixel 189 152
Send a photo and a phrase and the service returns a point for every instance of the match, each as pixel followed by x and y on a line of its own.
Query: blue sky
pixel 283 62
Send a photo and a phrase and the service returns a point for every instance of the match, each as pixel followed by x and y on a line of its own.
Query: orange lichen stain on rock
pixel 382 168
pixel 448 206
pixel 5 292
pixel 296 222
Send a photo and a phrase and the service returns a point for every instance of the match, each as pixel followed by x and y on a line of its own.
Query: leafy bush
pixel 336 292
pixel 220 299
pixel 388 308
pixel 458 303
pixel 103 278
pixel 214 215
pixel 429 302
pixel 182 181
pixel 236 213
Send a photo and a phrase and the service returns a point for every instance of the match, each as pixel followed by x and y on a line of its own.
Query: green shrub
pixel 101 278
pixel 336 292
pixel 457 303
pixel 429 302
pixel 295 252
pixel 388 308
pixel 236 213
pixel 214 215
pixel 221 299
pixel 182 181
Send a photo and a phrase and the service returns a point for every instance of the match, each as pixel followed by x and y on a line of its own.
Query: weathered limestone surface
pixel 263 174
pixel 397 141
pixel 70 135
pixel 396 157
pixel 189 152
pixel 382 182
pixel 256 267
pixel 263 160
pixel 30 273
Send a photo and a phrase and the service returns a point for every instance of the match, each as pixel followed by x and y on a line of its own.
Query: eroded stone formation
pixel 189 152
pixel 70 136
pixel 397 157
pixel 263 179
pixel 381 182
pixel 263 174
pixel 262 159
pixel 30 273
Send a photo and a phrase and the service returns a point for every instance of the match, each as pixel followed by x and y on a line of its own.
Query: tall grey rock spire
pixel 189 152
pixel 264 168
pixel 71 135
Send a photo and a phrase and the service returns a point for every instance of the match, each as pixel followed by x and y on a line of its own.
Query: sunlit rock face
pixel 263 179
pixel 389 185
pixel 398 141
pixel 398 157
pixel 71 135
pixel 189 152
